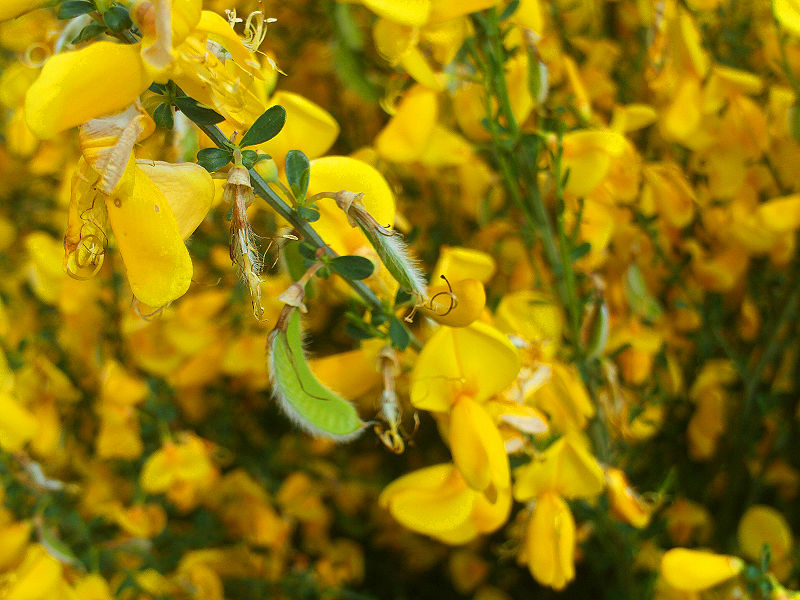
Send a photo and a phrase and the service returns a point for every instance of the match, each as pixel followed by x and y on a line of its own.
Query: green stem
pixel 275 202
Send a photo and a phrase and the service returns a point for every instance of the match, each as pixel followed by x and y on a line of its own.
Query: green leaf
pixel 580 251
pixel 307 402
pixel 87 33
pixel 639 298
pixel 74 8
pixel 398 334
pixel 509 10
pixel 249 158
pixel 401 297
pixel 308 251
pixel 298 172
pixel 357 333
pixel 163 116
pixel 158 88
pixel 308 214
pixel 117 19
pixel 199 113
pixel 213 159
pixel 266 127
pixel 352 267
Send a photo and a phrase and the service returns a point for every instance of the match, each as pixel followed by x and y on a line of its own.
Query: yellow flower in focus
pixel 549 545
pixel 105 77
pixel 696 570
pixel 456 305
pixel 436 501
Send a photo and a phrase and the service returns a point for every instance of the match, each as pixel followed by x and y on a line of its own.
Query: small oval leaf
pixel 74 8
pixel 352 267
pixel 213 159
pixel 298 172
pixel 266 127
pixel 199 113
pixel 117 18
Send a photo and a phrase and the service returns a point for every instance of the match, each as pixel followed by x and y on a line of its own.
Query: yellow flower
pixel 626 504
pixel 763 525
pixel 567 468
pixel 695 570
pixel 105 77
pixel 151 206
pixel 438 502
pixel 17 425
pixel 183 470
pixel 456 305
pixel 405 137
pixel 549 545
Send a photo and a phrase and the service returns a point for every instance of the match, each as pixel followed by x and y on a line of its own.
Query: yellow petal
pixel 587 156
pixel 442 10
pixel 157 262
pixel 446 148
pixel 353 373
pixel 781 214
pixel 477 447
pixel 14 8
pixel 119 387
pixel 77 86
pixel 787 12
pixel 337 173
pixel 15 539
pixel 532 315
pixel 550 542
pixel 762 525
pixel 407 12
pixel 406 136
pixel 566 467
pixel 219 30
pixel 38 577
pixel 625 503
pixel 458 263
pixel 529 16
pixel 416 64
pixel 188 188
pixel 433 500
pixel 476 360
pixel 393 40
pixel 457 305
pixel 308 127
pixel 696 570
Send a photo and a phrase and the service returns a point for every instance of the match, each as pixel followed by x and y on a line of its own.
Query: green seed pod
pixel 598 331
pixel 308 403
pixel 389 245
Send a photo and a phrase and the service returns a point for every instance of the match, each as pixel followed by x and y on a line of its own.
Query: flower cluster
pixel 546 253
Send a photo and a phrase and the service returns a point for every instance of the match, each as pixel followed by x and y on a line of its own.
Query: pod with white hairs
pixel 307 402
